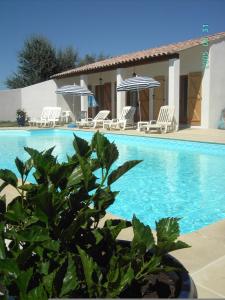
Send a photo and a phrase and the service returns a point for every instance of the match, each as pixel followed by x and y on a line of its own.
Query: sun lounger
pixel 125 121
pixel 49 116
pixel 97 121
pixel 164 123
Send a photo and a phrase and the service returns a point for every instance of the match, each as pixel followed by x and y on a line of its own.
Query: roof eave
pixel 139 61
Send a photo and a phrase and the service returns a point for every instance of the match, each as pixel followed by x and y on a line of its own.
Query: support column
pixel 205 105
pixel 121 96
pixel 84 99
pixel 113 112
pixel 174 88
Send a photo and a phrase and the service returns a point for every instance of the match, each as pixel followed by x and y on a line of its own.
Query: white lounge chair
pixel 164 123
pixel 97 121
pixel 54 116
pixel 43 118
pixel 49 116
pixel 126 119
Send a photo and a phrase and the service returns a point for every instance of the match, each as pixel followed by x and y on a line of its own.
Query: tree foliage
pixel 38 60
pixel 91 58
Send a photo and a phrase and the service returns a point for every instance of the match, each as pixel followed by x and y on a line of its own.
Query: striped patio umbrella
pixel 75 90
pixel 137 83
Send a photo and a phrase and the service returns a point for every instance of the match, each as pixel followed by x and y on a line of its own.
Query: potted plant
pixel 21 117
pixel 51 244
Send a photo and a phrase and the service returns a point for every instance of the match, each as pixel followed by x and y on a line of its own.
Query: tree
pixel 66 59
pixel 91 58
pixel 38 60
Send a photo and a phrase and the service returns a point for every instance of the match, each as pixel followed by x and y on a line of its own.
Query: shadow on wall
pixel 69 102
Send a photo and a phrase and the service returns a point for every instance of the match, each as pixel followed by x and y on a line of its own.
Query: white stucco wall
pixel 36 96
pixel 10 101
pixel 217 82
pixel 69 102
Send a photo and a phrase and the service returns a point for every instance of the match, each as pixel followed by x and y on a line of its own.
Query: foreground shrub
pixel 51 244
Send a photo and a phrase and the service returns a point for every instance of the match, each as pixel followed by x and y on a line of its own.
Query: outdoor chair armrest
pixel 152 122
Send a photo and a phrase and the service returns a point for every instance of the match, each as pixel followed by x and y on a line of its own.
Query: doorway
pixel 183 99
pixel 158 96
pixel 194 98
pixel 132 100
pixel 190 99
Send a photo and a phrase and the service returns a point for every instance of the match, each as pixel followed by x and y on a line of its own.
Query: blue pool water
pixel 175 179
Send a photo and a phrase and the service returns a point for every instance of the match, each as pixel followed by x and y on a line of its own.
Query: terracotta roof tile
pixel 119 61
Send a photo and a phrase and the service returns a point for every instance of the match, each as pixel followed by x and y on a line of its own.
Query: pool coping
pixel 169 136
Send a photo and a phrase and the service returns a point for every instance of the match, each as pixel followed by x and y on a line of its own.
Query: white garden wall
pixel 36 96
pixel 10 101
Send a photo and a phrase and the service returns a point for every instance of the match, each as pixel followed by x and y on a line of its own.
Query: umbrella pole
pixel 73 109
pixel 139 103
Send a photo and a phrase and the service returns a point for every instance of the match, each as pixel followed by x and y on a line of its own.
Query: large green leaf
pixel 151 266
pixel 15 211
pixel 2 206
pixel 91 271
pixel 20 166
pixel 23 281
pixel 37 294
pixel 143 239
pixel 103 199
pixel 81 146
pixel 9 177
pixel 9 266
pixel 115 226
pixel 168 231
pixel 70 280
pixel 33 234
pixel 118 278
pixel 116 174
pixel 107 152
pixel 48 281
pixel 2 242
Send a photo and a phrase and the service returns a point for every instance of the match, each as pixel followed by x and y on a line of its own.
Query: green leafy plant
pixel 21 117
pixel 51 244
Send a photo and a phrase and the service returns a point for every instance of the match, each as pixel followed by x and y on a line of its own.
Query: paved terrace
pixel 205 260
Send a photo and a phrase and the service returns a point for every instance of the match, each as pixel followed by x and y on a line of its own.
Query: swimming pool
pixel 176 178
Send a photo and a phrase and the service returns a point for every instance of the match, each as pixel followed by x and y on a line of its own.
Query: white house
pixel 191 75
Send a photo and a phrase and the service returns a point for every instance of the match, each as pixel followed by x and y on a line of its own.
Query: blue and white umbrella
pixel 92 101
pixel 75 90
pixel 137 83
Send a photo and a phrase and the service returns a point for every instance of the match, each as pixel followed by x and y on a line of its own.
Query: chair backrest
pixel 166 115
pixel 55 113
pixel 46 112
pixel 102 115
pixel 127 113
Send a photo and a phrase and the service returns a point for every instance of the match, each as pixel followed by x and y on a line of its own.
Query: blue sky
pixel 109 26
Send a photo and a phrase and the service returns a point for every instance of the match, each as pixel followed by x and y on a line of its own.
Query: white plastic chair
pixel 164 123
pixel 54 116
pixel 97 121
pixel 43 118
pixel 49 116
pixel 126 119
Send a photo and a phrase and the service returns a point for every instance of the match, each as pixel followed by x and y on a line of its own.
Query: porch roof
pixel 137 58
